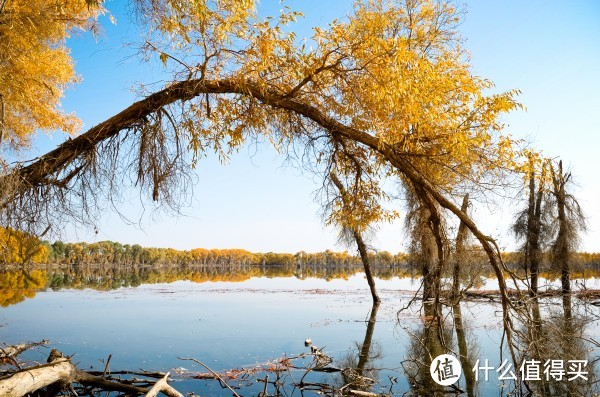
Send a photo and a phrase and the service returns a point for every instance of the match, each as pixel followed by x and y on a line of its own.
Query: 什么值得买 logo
pixel 445 369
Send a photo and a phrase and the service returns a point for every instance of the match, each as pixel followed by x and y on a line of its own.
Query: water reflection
pixel 555 338
pixel 215 325
pixel 556 354
pixel 359 367
pixel 468 352
pixel 17 285
pixel 426 342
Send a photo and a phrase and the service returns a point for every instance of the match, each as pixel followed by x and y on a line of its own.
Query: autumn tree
pixel 389 87
pixel 17 247
pixel 36 66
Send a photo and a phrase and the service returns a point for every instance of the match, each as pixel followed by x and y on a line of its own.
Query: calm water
pixel 247 325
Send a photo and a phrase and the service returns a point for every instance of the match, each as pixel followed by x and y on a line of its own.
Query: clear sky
pixel 549 50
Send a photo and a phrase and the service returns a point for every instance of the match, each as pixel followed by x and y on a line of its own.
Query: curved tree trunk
pixel 46 169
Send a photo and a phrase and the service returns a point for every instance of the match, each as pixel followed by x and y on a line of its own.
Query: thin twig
pixel 212 372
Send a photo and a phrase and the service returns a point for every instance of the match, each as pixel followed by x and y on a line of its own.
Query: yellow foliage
pixel 395 70
pixel 35 65
pixel 16 286
pixel 17 247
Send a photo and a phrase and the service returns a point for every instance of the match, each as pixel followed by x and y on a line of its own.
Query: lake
pixel 149 319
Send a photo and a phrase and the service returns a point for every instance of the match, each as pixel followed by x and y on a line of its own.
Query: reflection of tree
pixel 465 355
pixel 357 374
pixel 16 286
pixel 429 341
pixel 425 344
pixel 110 277
pixel 560 337
pixel 107 277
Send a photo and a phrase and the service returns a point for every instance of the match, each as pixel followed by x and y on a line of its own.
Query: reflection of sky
pixel 231 325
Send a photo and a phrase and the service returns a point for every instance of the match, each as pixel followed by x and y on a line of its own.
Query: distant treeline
pixel 109 252
pixel 20 248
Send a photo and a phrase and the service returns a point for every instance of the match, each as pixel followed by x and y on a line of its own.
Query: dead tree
pixel 531 225
pixel 570 221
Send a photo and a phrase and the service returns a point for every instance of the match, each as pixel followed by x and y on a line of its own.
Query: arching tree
pixel 390 84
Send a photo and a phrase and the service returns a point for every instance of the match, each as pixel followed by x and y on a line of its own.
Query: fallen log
pixel 29 380
pixel 61 373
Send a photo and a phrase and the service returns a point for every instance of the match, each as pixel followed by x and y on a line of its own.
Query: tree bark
pixel 30 380
pixel 533 253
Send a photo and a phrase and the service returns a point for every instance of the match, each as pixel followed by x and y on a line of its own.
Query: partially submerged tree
pixel 552 219
pixel 569 223
pixel 424 235
pixel 352 229
pixel 532 223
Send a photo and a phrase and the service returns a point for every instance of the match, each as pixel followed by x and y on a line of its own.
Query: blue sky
pixel 547 49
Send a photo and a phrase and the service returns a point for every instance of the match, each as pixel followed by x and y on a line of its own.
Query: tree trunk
pixel 30 380
pixel 461 237
pixel 463 349
pixel 364 256
pixel 561 246
pixel 362 247
pixel 535 230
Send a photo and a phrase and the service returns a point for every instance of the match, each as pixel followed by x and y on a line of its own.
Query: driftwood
pixel 361 393
pixel 60 373
pixel 29 380
pixel 163 387
pixel 14 350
